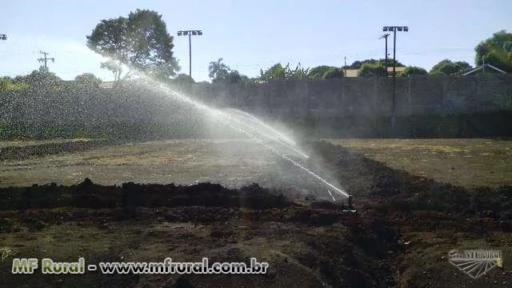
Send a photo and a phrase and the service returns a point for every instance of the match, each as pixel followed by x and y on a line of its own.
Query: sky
pixel 254 35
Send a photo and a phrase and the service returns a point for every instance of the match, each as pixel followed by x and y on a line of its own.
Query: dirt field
pixel 173 161
pixel 464 162
pixel 400 237
pixel 231 163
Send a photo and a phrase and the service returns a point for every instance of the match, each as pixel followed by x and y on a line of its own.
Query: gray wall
pixel 366 97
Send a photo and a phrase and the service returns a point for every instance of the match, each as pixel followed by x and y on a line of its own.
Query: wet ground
pixel 463 162
pixel 173 161
pixel 232 163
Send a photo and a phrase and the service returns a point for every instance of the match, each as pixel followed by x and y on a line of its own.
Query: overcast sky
pixel 250 35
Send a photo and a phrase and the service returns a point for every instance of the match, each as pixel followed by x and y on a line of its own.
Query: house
pixel 351 72
pixel 107 84
pixel 398 70
pixel 355 72
pixel 485 68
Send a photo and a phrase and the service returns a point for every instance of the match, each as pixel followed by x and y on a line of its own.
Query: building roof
pixel 398 69
pixel 481 67
pixel 107 84
pixel 351 72
pixel 355 72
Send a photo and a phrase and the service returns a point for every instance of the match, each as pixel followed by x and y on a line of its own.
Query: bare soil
pixel 404 227
pixel 463 162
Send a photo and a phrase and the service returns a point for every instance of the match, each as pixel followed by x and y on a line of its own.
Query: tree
pixel 115 67
pixel 234 77
pixel 372 70
pixel 278 72
pixel 38 78
pixel 359 64
pixel 413 71
pixel 299 73
pixel 318 72
pixel 7 84
pixel 140 41
pixel 218 71
pixel 88 78
pixel 221 73
pixel 334 73
pixel 326 72
pixel 496 51
pixel 183 79
pixel 447 67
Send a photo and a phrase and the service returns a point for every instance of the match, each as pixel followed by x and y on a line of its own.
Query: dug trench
pixel 400 236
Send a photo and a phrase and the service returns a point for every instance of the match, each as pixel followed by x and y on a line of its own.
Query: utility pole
pixel 189 33
pixel 44 60
pixel 385 36
pixel 345 67
pixel 393 105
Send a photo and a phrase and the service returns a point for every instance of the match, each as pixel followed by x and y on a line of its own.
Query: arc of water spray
pixel 316 176
pixel 254 119
pixel 329 191
pixel 297 164
pixel 245 128
pixel 279 138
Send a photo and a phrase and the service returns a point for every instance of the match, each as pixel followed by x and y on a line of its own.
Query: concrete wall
pixel 366 97
pixel 361 107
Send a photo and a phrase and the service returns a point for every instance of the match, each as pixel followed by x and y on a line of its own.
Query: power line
pixel 44 60
pixel 385 36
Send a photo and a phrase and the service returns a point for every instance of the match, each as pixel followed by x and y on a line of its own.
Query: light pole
pixel 393 105
pixel 385 36
pixel 189 33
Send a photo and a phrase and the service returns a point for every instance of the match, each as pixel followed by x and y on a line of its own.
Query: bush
pixel 334 73
pixel 413 71
pixel 372 70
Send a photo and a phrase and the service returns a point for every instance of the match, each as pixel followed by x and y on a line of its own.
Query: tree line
pixel 141 40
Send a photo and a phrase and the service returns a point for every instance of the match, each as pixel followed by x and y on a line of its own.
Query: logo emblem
pixel 475 263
